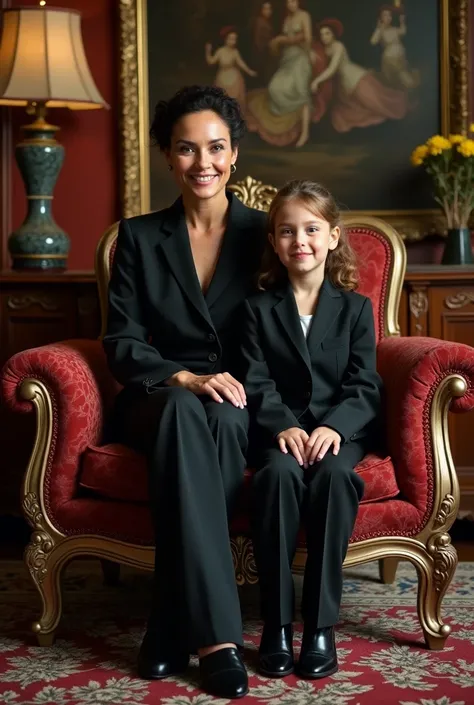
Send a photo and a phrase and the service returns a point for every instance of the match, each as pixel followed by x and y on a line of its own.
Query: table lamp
pixel 42 65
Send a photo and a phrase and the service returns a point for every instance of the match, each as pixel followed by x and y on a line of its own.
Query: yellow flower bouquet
pixel 450 163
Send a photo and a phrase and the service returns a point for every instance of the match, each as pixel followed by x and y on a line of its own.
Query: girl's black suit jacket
pixel 331 374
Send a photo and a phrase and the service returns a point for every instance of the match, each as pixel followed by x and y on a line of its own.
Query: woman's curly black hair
pixel 194 99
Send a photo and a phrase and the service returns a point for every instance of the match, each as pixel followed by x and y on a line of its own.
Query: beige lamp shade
pixel 42 60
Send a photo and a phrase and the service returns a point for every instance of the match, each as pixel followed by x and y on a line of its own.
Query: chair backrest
pixel 379 248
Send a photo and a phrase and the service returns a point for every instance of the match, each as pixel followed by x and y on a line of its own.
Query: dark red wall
pixel 86 195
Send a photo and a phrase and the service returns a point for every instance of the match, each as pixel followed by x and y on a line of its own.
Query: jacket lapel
pixel 328 309
pixel 231 254
pixel 177 250
pixel 287 313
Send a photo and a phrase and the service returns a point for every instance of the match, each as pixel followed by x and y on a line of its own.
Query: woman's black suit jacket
pixel 331 374
pixel 159 322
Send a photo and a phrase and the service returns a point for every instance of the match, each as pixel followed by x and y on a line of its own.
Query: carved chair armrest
pixel 423 379
pixel 67 384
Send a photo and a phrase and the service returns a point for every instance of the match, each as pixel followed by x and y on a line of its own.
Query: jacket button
pixel 308 395
pixel 212 357
pixel 211 337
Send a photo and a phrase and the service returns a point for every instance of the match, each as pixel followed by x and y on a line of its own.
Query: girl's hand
pixel 208 48
pixel 294 439
pixel 218 386
pixel 314 85
pixel 319 442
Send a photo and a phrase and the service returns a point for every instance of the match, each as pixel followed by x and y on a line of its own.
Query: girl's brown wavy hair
pixel 341 267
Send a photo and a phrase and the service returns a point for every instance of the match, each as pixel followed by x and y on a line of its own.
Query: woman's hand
pixel 219 386
pixel 294 439
pixel 314 85
pixel 319 442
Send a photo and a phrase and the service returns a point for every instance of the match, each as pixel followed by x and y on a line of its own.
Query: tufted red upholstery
pixel 374 263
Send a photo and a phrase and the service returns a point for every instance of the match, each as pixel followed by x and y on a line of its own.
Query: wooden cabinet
pixel 439 302
pixel 36 309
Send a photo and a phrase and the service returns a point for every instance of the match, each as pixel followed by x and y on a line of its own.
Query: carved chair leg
pixel 388 569
pixel 45 570
pixel 433 583
pixel 111 572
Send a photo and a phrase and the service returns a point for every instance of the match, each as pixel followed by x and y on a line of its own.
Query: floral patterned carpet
pixel 382 656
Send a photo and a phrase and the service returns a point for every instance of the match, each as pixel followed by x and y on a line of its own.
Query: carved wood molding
pixel 18 303
pixel 459 300
pixel 418 302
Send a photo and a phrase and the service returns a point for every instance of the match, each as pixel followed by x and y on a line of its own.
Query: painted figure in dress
pixel 360 99
pixel 230 66
pixel 281 112
pixel 395 69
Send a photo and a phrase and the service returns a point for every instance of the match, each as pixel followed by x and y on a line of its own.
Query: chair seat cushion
pixel 117 472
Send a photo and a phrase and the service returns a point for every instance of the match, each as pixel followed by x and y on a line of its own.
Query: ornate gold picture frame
pixel 135 173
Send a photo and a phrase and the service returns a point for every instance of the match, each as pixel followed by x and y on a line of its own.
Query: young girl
pixel 313 393
pixel 395 68
pixel 229 60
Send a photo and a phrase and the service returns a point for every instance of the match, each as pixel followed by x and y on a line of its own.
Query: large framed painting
pixel 339 91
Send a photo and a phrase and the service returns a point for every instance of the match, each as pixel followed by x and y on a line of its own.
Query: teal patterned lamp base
pixel 39 243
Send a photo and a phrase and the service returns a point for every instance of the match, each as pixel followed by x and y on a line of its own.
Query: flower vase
pixel 458 248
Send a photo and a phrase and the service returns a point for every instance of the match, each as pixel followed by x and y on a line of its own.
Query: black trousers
pixel 196 450
pixel 324 498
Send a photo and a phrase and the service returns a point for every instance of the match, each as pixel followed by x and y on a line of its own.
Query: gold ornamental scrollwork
pixel 459 66
pixel 244 561
pixel 253 193
pixel 445 561
pixel 459 300
pixel 41 543
pixel 129 123
pixel 447 507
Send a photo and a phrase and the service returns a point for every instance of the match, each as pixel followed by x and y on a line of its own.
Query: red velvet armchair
pixel 86 499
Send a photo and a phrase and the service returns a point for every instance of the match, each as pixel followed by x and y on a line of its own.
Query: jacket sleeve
pixel 132 360
pixel 360 398
pixel 264 401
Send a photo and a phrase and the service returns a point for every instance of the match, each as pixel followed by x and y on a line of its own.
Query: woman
pixel 281 113
pixel 179 276
pixel 361 99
